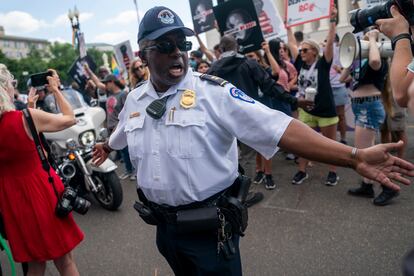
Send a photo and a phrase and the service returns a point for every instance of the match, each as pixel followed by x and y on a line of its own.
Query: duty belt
pixel 168 213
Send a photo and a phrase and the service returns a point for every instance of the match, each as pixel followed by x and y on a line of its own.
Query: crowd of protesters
pixel 294 64
pixel 298 63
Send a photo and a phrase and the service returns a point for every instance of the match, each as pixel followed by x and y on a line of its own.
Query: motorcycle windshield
pixel 72 96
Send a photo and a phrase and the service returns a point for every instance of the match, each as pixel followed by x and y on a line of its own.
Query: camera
pixel 361 19
pixel 71 201
pixel 39 80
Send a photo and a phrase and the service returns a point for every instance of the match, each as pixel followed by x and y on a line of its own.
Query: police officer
pixel 181 129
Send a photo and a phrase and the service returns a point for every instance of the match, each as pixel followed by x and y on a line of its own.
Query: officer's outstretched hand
pixel 99 155
pixel 376 163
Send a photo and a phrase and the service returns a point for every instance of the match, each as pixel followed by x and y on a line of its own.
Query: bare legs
pixel 340 111
pixel 65 265
pixel 364 138
pixel 329 132
pixel 36 268
pixel 263 165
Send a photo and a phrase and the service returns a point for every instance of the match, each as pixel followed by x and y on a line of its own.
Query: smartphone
pixel 40 79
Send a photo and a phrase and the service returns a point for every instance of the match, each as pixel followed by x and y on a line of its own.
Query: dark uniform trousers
pixel 196 253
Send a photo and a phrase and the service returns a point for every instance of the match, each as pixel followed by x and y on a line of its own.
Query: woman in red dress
pixel 27 199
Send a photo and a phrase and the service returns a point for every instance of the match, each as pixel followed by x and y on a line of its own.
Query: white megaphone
pixel 352 48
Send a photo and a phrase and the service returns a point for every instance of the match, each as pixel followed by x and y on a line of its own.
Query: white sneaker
pixel 124 176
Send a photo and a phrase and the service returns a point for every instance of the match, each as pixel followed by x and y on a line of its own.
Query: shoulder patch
pixel 240 95
pixel 213 79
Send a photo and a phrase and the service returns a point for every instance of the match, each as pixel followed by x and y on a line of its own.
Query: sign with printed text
pixel 239 19
pixel 203 15
pixel 299 12
pixel 269 18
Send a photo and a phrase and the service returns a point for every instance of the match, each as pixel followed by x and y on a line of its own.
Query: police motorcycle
pixel 72 150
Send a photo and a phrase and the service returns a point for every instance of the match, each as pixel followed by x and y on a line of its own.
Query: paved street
pixel 310 229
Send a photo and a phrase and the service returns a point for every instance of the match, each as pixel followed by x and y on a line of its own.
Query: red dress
pixel 27 199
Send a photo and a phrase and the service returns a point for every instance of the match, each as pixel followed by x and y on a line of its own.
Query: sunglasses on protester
pixel 14 83
pixel 141 67
pixel 305 50
pixel 168 47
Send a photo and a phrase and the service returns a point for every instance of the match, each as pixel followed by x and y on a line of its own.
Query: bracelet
pixel 106 147
pixel 333 20
pixel 354 153
pixel 398 37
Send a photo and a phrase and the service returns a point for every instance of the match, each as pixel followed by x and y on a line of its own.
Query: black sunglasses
pixel 305 50
pixel 168 47
pixel 141 67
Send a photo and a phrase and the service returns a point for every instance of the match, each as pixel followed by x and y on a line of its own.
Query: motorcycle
pixel 72 150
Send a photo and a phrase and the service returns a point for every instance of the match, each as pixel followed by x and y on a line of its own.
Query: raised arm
pixel 328 52
pixel 47 122
pixel 273 63
pixel 205 50
pixel 292 43
pixel 375 163
pixel 374 56
pixel 400 77
pixel 93 77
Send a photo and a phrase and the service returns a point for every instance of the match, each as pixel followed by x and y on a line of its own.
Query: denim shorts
pixel 369 114
pixel 340 95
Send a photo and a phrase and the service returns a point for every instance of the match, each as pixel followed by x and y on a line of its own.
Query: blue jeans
pixel 127 161
pixel 369 114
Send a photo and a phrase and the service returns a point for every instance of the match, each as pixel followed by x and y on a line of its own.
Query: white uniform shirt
pixel 191 154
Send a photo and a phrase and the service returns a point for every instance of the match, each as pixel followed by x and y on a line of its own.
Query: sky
pixel 107 21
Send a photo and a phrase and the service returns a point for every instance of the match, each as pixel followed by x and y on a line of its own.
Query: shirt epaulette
pixel 140 83
pixel 213 79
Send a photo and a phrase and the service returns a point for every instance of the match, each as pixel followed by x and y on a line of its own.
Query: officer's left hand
pixel 99 155
pixel 376 163
pixel 306 104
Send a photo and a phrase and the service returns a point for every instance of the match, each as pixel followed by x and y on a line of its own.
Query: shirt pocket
pixel 135 136
pixel 186 133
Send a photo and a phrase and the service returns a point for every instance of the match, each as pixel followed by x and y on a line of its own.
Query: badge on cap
pixel 188 99
pixel 134 114
pixel 166 17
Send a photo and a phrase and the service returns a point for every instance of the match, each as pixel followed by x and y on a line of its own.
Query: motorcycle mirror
pixel 71 144
pixel 103 133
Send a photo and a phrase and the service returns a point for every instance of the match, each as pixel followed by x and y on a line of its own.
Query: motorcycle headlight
pixel 87 138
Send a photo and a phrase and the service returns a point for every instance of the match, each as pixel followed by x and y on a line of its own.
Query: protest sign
pixel 239 18
pixel 269 18
pixel 77 72
pixel 124 56
pixel 299 12
pixel 202 15
pixel 82 45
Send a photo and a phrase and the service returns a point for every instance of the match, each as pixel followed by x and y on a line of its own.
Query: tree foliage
pixel 59 56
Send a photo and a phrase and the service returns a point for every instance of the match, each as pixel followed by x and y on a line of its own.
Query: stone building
pixel 17 47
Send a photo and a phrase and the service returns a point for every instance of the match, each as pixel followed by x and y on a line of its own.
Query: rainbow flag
pixel 115 68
